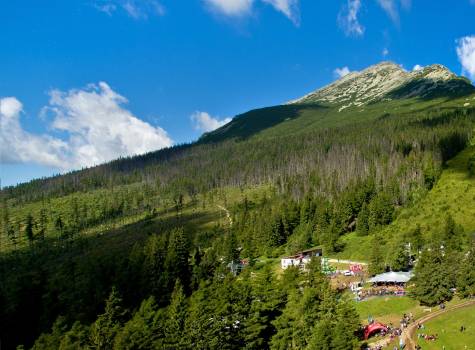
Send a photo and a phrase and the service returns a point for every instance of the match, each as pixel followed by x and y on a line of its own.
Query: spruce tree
pixel 107 325
pixel 176 318
pixel 177 261
pixel 400 260
pixel 362 227
pixel 144 330
pixel 433 280
pixel 376 259
pixel 29 224
pixel 466 274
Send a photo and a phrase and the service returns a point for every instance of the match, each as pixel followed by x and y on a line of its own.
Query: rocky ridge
pixel 385 81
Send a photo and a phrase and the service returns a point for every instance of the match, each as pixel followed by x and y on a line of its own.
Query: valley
pixel 135 254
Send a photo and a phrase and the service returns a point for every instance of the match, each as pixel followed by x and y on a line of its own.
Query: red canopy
pixel 373 328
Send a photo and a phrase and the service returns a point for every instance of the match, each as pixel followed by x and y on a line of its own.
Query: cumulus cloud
pixel 289 8
pixel 204 122
pixel 230 7
pixel 417 68
pixel 137 9
pixel 348 18
pixel 18 145
pixel 466 55
pixel 97 128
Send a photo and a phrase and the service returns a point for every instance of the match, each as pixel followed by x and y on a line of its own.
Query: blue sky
pixel 86 81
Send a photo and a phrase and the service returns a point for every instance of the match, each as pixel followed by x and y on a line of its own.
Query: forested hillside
pixel 135 253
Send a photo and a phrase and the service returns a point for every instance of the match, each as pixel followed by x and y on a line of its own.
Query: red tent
pixel 373 328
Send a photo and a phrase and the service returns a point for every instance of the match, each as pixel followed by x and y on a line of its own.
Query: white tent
pixel 392 277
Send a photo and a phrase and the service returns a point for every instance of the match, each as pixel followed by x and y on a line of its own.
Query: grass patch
pixel 448 329
pixel 387 309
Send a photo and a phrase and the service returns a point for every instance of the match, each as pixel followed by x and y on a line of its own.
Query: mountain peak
pixel 388 80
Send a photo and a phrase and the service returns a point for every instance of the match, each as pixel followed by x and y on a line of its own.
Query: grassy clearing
pixel 387 309
pixel 356 248
pixel 448 329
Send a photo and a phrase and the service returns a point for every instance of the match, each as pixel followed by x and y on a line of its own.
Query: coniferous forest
pixel 135 254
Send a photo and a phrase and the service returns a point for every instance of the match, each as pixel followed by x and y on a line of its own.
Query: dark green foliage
pixel 376 259
pixel 144 330
pixel 380 210
pixel 362 225
pixel 452 235
pixel 29 224
pixel 313 319
pixel 471 166
pixel 177 262
pixel 321 182
pixel 466 274
pixel 433 277
pixel 108 324
pixel 400 261
pixel 176 317
pixel 416 239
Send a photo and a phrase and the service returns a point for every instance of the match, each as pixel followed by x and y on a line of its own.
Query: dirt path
pixel 410 332
pixel 228 215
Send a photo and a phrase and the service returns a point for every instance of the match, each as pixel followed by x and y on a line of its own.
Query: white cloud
pixel 466 55
pixel 391 7
pixel 417 68
pixel 348 18
pixel 289 8
pixel 204 122
pixel 18 145
pixel 241 8
pixel 341 72
pixel 97 129
pixel 137 9
pixel 230 7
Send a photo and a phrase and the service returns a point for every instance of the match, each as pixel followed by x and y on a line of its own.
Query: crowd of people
pixel 393 331
pixel 379 291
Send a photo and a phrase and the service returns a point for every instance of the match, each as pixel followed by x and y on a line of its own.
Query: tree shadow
pixel 250 123
pixel 427 89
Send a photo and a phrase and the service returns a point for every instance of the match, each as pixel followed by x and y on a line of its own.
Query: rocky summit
pixel 388 80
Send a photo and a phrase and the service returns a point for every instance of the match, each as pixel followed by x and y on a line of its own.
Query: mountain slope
pixel 291 177
pixel 365 95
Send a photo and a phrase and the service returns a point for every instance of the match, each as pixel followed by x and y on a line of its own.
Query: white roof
pixel 399 277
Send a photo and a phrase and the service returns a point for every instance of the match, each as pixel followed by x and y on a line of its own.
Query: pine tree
pixel 347 324
pixel 417 239
pixel 433 280
pixel 59 226
pixel 452 234
pixel 376 260
pixel 277 234
pixel 362 226
pixel 231 247
pixel 42 224
pixel 177 261
pixel 29 224
pixel 466 275
pixel 104 330
pixel 400 261
pixel 144 330
pixel 176 318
